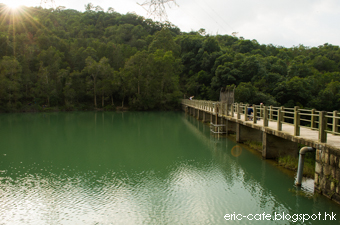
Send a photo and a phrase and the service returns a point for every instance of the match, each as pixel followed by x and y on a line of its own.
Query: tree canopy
pixel 95 59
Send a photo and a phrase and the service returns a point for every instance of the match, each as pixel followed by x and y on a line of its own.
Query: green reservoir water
pixel 141 168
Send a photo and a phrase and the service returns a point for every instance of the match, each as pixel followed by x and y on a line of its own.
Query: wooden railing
pixel 324 122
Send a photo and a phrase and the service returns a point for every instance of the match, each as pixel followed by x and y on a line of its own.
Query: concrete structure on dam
pixel 281 131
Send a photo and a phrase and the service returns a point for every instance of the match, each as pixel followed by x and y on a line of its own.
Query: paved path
pixel 313 135
pixel 307 136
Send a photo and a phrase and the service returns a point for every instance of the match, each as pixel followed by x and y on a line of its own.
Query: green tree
pixel 328 99
pixel 164 40
pixel 295 91
pixel 322 63
pixel 252 69
pixel 152 80
pixel 96 70
pixel 75 87
pixel 246 93
pixel 169 68
pixel 10 73
pixel 50 62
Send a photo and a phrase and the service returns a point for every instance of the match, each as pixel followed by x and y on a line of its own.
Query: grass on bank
pixel 254 145
pixel 290 162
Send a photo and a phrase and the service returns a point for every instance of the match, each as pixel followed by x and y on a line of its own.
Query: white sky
pixel 285 23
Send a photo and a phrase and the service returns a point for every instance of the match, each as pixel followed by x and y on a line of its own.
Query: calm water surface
pixel 140 168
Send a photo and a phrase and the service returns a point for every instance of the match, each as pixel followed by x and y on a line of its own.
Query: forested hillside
pixel 65 59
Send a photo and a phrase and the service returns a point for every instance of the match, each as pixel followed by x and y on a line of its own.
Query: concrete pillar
pixel 225 122
pixel 313 118
pixel 200 115
pixel 279 119
pixel 274 146
pixel 245 133
pixel 296 121
pixel 322 127
pixel 246 112
pixel 265 116
pixel 254 114
pixel 335 122
pixel 231 127
pixel 271 112
pixel 238 112
pixel 232 110
pixel 206 117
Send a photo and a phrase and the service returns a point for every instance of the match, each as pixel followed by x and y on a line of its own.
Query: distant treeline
pixel 67 60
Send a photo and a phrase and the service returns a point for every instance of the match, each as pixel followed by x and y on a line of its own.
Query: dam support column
pixel 205 117
pixel 225 122
pixel 274 147
pixel 200 115
pixel 245 133
pixel 231 127
pixel 212 118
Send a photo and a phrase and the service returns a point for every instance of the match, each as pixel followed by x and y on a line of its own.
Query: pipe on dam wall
pixel 301 162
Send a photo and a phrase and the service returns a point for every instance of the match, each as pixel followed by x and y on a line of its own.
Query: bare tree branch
pixel 48 4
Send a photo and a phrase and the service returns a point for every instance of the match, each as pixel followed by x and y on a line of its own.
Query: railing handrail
pixel 324 122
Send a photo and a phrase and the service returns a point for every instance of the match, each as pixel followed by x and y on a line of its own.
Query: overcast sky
pixel 285 23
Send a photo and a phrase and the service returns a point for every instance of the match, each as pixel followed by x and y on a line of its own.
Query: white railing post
pixel 246 112
pixel 232 110
pixel 254 114
pixel 271 112
pixel 312 119
pixel 296 121
pixel 322 127
pixel 279 120
pixel 335 122
pixel 265 116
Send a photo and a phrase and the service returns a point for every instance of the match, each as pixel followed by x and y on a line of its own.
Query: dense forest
pixel 62 59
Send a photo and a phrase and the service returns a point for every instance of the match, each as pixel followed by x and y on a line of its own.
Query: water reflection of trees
pixel 257 176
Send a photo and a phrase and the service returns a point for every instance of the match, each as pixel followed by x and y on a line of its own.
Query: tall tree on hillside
pixel 10 71
pixel 166 69
pixel 106 83
pixel 137 72
pixel 96 70
pixel 50 62
pixel 75 87
pixel 164 40
pixel 329 98
pixel 108 86
pixel 153 79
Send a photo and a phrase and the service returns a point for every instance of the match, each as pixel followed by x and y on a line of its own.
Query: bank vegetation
pixel 64 59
